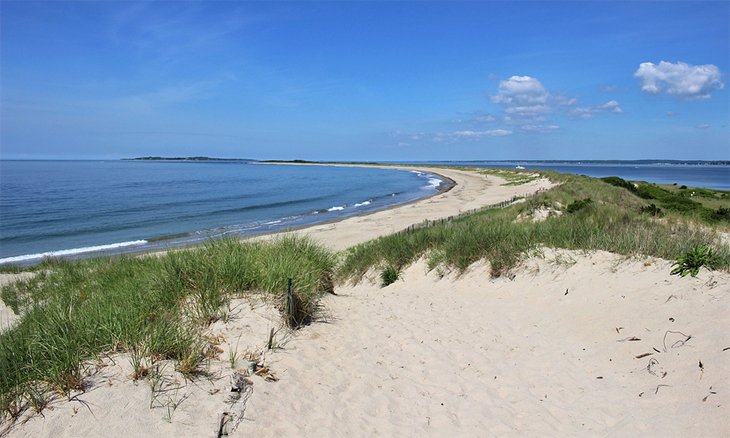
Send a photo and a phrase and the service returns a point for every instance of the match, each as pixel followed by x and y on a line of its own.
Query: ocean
pixel 78 209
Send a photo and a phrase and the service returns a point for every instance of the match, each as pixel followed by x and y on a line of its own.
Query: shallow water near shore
pixel 84 208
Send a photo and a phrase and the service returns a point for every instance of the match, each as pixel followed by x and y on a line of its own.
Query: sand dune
pixel 545 354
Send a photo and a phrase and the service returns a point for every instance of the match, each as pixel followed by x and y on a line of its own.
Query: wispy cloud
pixel 680 79
pixel 587 112
pixel 538 129
pixel 703 126
pixel 163 97
pixel 409 139
pixel 479 134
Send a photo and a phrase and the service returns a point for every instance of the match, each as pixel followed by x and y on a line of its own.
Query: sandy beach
pixel 472 191
pixel 576 344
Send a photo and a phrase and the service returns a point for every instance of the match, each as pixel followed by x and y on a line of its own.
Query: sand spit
pixel 574 344
pixel 472 190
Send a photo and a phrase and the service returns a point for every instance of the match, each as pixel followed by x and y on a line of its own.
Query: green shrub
pixel 652 210
pixel 578 205
pixel 389 276
pixel 619 182
pixel 694 259
pixel 721 214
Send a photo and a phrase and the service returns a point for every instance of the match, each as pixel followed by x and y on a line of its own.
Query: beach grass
pixel 153 307
pixel 586 214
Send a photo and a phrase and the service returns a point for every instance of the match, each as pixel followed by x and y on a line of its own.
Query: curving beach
pixel 471 190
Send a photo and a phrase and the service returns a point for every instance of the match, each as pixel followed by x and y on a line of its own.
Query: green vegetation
pixel 513 177
pixel 611 222
pixel 694 259
pixel 389 276
pixel 652 210
pixel 152 307
pixel 706 205
pixel 578 205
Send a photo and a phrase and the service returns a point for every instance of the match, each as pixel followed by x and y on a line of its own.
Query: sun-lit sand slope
pixel 472 191
pixel 549 353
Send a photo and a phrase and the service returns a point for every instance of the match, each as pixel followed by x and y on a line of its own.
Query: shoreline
pixel 163 244
pixel 470 190
pixel 480 191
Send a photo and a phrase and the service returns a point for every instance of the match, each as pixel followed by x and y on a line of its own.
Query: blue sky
pixel 366 80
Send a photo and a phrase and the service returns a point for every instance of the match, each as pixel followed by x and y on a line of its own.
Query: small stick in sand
pixel 677 344
pixel 271 339
pixel 643 355
pixel 222 429
pixel 702 370
pixel 657 388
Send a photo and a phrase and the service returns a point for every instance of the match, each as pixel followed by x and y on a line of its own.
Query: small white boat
pixel 520 168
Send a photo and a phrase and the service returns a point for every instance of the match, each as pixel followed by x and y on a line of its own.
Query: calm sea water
pixel 82 208
pixel 713 177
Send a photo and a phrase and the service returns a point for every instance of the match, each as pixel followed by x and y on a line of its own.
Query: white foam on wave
pixel 74 251
pixel 361 204
pixel 336 208
pixel 433 183
pixel 272 222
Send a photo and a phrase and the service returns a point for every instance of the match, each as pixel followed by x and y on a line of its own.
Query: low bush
pixel 695 258
pixel 389 276
pixel 652 210
pixel 578 205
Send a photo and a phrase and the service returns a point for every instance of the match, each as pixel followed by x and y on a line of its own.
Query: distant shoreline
pixel 432 162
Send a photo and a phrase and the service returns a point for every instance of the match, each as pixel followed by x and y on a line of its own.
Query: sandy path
pixel 472 191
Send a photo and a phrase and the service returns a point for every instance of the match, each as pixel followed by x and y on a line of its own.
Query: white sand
pixel 466 356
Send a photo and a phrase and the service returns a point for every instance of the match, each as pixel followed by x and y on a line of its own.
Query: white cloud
pixel 528 106
pixel 409 139
pixel 702 126
pixel 587 112
pixel 538 129
pixel 479 134
pixel 679 79
pixel 523 96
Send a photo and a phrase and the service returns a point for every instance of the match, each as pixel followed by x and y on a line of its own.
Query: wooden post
pixel 290 304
